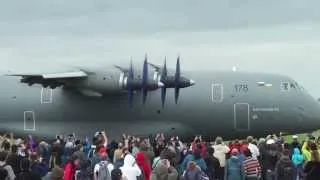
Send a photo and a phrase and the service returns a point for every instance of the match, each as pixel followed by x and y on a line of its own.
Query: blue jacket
pixel 234 169
pixel 297 157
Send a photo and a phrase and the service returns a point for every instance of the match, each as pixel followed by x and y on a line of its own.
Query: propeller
pixel 177 81
pixel 162 79
pixel 130 84
pixel 145 80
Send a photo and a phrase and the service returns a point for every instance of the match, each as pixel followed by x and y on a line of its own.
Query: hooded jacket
pixel 130 169
pixel 161 172
pixel 220 152
pixel 297 157
pixel 234 169
pixel 144 165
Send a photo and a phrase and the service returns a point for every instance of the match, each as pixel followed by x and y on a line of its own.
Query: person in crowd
pixel 234 169
pixel 38 165
pixel 269 158
pixel 252 168
pixel 298 160
pixel 85 172
pixel 145 148
pixel 295 143
pixel 164 171
pixel 79 152
pixel 57 174
pixel 144 165
pixel 312 168
pixel 192 172
pixel 307 148
pixel 199 145
pixel 56 153
pixel 13 159
pixel 135 149
pixel 253 148
pixel 220 151
pixel 118 153
pixel 104 167
pixel 199 160
pixel 212 163
pixel 130 169
pixel 5 167
pixel 44 151
pixel 116 174
pixel 70 168
pixel 285 169
pixel 26 174
pixel 243 145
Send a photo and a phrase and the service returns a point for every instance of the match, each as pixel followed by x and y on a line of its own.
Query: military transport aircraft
pixel 140 102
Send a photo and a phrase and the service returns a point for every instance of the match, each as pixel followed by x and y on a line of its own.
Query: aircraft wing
pixel 49 79
pixel 63 75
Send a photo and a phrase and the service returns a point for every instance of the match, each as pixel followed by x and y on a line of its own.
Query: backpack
pixel 40 168
pixel 82 175
pixel 286 170
pixel 103 173
pixel 199 175
pixel 3 169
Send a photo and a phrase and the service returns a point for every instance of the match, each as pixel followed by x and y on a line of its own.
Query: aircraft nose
pixel 192 82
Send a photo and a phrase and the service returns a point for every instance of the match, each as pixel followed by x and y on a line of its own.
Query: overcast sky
pixel 254 35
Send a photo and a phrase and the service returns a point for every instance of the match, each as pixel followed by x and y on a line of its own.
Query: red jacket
pixel 69 171
pixel 144 165
pixel 203 149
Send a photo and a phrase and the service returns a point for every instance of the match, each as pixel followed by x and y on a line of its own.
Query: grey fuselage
pixel 227 104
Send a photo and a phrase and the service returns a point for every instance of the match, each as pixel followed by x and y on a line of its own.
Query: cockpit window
pixel 285 86
pixel 290 85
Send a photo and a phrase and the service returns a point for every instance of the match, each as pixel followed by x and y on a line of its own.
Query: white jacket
pixel 254 150
pixel 130 169
pixel 220 152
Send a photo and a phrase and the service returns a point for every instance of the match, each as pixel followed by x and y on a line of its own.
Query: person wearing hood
pixel 26 173
pixel 144 165
pixel 164 171
pixel 193 172
pixel 234 169
pixel 298 160
pixel 130 169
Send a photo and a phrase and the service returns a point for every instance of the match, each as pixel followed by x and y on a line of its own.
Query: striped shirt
pixel 252 167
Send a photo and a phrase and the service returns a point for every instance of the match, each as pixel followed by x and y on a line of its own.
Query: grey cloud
pixel 139 17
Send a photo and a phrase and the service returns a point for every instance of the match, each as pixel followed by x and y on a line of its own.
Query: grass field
pixel 302 137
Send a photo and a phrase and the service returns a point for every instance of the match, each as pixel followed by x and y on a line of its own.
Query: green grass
pixel 302 137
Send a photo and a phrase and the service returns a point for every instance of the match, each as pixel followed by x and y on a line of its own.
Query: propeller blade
pixel 176 94
pixel 130 73
pixel 165 71
pixel 178 73
pixel 145 80
pixel 129 84
pixel 163 95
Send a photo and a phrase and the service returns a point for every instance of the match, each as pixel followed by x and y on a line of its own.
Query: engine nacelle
pixel 108 81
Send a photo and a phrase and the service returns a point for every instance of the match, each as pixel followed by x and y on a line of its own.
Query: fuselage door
pixel 29 123
pixel 241 117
